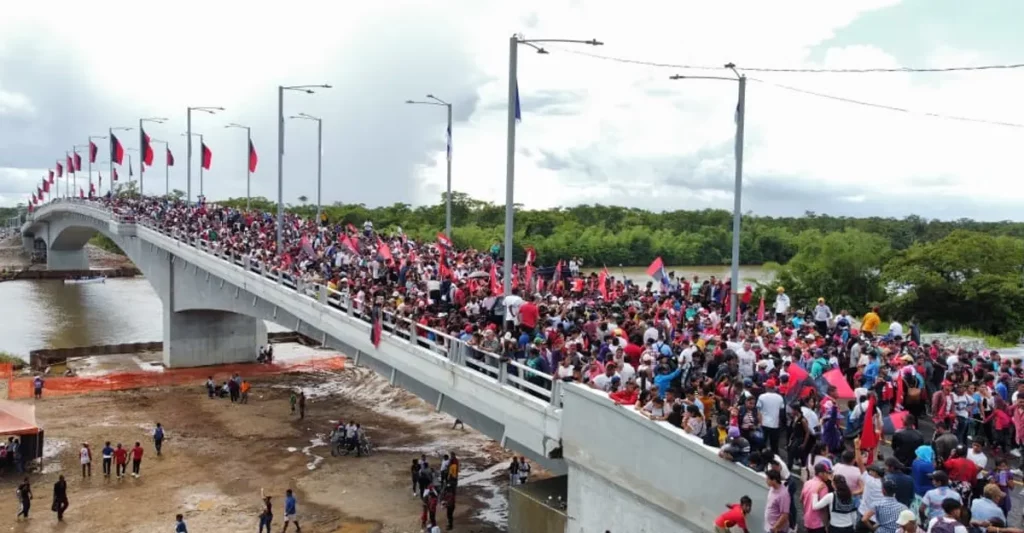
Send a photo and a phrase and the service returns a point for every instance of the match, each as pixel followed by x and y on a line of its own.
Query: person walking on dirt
pixel 448 502
pixel 179 524
pixel 267 515
pixel 37 384
pixel 302 405
pixel 245 391
pixel 85 454
pixel 158 438
pixel 120 460
pixel 429 507
pixel 137 452
pixel 289 511
pixel 292 399
pixel 211 387
pixel 60 498
pixel 24 493
pixel 108 456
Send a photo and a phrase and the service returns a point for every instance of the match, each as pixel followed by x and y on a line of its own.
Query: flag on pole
pixel 81 193
pixel 51 176
pixel 46 186
pixel 384 250
pixel 519 111
pixel 170 158
pixel 93 151
pixel 71 164
pixel 253 158
pixel 78 162
pixel 114 178
pixel 147 150
pixel 33 197
pixel 496 288
pixel 444 240
pixel 116 150
pixel 207 156
pixel 60 171
pixel 531 255
pixel 760 310
pixel 657 271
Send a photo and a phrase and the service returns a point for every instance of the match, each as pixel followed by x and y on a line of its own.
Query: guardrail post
pixel 323 294
pixel 245 263
pixel 502 372
pixel 556 392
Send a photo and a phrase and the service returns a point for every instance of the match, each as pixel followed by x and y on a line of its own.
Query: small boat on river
pixel 81 281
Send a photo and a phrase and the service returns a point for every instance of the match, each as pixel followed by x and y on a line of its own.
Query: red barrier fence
pixel 64 386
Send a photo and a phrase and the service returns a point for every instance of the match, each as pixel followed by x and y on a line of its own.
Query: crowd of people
pixel 797 391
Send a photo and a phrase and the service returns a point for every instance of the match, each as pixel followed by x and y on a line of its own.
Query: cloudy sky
pixel 593 130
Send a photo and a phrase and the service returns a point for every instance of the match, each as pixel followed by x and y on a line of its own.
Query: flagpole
pixel 319 166
pixel 91 137
pixel 448 200
pixel 188 157
pixel 110 174
pixel 248 167
pixel 308 89
pixel 142 156
pixel 201 156
pixel 741 111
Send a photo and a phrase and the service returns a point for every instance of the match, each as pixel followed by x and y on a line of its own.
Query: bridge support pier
pixel 28 242
pixel 67 259
pixel 200 338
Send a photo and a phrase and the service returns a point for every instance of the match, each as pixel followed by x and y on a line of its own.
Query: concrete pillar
pixel 67 259
pixel 200 338
pixel 28 242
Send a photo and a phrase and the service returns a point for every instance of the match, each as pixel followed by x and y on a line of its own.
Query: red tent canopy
pixel 17 418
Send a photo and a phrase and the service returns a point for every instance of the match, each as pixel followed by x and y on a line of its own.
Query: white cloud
pixel 592 130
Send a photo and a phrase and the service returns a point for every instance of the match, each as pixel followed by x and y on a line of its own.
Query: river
pixel 50 314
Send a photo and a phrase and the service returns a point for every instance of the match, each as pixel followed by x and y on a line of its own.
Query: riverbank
pixel 13 257
pixel 218 456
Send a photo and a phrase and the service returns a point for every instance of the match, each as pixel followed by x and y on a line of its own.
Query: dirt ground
pixel 219 455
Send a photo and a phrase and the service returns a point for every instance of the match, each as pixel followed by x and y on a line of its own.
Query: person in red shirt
pixel 736 516
pixel 136 459
pixel 120 460
pixel 960 468
pixel 627 395
pixel 529 313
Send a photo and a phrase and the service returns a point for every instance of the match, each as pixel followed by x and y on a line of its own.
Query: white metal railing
pixel 506 372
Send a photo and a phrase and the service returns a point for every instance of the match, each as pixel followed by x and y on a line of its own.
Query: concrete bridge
pixel 625 472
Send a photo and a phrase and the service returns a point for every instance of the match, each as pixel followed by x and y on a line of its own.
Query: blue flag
pixel 519 114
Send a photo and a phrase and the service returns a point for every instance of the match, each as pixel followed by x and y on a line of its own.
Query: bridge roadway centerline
pixel 212 299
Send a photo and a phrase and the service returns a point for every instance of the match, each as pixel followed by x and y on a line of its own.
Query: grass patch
pixel 102 241
pixel 992 341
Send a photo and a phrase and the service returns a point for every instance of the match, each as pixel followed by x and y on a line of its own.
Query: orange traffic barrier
pixel 65 386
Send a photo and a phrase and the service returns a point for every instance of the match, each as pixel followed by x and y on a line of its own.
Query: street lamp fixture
pixel 510 155
pixel 211 110
pixel 448 197
pixel 308 89
pixel 741 111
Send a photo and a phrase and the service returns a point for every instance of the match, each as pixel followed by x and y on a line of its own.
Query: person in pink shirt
pixel 814 490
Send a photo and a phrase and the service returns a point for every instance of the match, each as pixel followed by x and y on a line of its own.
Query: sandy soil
pixel 218 456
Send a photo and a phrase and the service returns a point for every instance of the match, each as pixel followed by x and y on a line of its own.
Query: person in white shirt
pixel 770 404
pixel 781 304
pixel 512 303
pixel 895 329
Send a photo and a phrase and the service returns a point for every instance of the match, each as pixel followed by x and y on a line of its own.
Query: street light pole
pixel 142 149
pixel 319 158
pixel 248 171
pixel 448 134
pixel 741 112
pixel 188 150
pixel 280 153
pixel 510 163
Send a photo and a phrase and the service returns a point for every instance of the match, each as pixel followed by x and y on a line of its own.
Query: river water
pixel 49 314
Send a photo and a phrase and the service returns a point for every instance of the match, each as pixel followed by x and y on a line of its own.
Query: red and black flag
pixel 147 150
pixel 78 162
pixel 375 330
pixel 208 156
pixel 46 186
pixel 51 177
pixel 253 158
pixel 114 178
pixel 170 158
pixel 93 151
pixel 60 170
pixel 116 150
pixel 33 197
pixel 71 164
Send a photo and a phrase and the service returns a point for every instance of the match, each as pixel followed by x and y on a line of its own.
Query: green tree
pixel 965 280
pixel 842 267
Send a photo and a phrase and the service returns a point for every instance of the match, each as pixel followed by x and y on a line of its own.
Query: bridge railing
pixel 504 371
